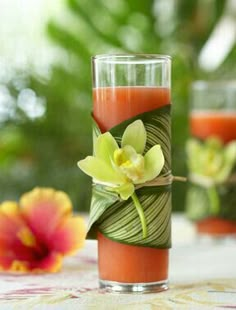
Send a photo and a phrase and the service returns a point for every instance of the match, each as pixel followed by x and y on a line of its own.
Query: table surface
pixel 202 276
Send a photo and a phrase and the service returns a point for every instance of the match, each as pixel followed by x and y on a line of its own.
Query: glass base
pixel 151 287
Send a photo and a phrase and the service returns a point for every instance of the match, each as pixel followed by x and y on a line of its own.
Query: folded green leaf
pixel 113 211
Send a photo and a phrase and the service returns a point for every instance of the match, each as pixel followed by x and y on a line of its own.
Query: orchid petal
pixel 135 135
pixel 104 147
pixel 194 149
pixel 230 152
pixel 154 162
pixel 125 191
pixel 100 170
pixel 229 162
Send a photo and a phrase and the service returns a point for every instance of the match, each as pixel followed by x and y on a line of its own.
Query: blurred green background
pixel 45 78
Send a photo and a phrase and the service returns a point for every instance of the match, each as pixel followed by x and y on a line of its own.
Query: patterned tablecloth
pixel 202 276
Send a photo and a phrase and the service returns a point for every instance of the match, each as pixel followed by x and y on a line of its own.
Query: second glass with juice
pixel 213 114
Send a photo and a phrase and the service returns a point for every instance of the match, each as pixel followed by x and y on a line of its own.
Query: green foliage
pixel 51 145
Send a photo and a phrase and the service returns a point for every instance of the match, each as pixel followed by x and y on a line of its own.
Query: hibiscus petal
pixel 11 226
pixel 69 236
pixel 10 219
pixel 154 162
pixel 43 210
pixel 14 265
pixel 100 170
pixel 51 263
pixel 9 208
pixel 135 135
pixel 19 266
pixel 104 147
pixel 8 257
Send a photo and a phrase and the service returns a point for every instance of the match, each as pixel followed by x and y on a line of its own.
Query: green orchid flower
pixel 211 159
pixel 121 168
pixel 211 163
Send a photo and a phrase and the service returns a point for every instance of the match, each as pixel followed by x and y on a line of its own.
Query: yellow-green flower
pixel 211 159
pixel 120 168
pixel 211 163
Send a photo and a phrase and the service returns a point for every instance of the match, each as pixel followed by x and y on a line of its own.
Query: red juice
pixel 117 261
pixel 219 124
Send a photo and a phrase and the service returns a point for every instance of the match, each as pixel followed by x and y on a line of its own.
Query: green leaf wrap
pixel 118 219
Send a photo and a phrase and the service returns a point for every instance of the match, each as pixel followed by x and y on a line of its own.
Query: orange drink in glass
pixel 126 86
pixel 213 115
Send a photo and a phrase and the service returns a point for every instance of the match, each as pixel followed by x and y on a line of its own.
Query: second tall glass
pixel 211 196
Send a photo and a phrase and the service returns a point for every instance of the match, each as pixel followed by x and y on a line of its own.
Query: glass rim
pixel 135 58
pixel 204 84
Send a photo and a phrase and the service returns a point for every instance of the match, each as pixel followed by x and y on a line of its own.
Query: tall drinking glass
pixel 127 88
pixel 211 198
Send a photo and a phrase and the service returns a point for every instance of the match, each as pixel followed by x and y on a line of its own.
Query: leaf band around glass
pixel 112 207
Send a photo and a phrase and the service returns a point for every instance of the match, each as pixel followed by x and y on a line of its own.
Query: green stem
pixel 140 213
pixel 214 199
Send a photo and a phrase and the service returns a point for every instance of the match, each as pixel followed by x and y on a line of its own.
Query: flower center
pixel 27 238
pixel 129 162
